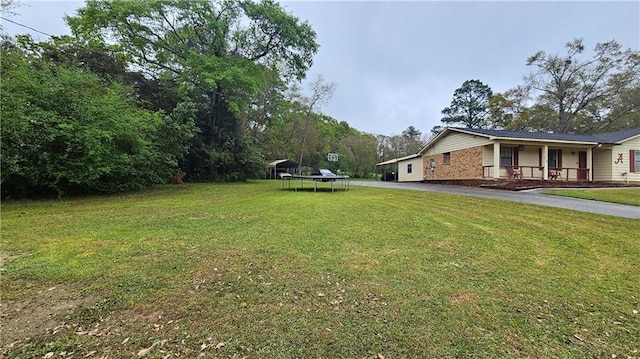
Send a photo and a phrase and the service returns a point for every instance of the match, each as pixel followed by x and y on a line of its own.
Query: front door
pixel 582 165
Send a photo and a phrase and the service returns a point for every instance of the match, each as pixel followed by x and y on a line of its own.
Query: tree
pixel 469 105
pixel 321 92
pixel 508 110
pixel 579 91
pixel 435 130
pixel 615 112
pixel 412 133
pixel 412 140
pixel 66 131
pixel 359 154
pixel 221 55
pixel 7 7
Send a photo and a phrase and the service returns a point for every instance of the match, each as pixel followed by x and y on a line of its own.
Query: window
pixel 555 159
pixel 506 156
pixel 634 165
pixel 409 168
pixel 446 158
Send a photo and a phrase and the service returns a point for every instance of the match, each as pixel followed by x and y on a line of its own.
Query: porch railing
pixel 566 173
pixel 537 172
pixel 530 172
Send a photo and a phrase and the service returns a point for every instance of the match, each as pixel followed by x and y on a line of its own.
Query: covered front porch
pixel 543 161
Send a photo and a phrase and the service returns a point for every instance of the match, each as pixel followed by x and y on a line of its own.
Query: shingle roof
pixel 609 137
pixel 531 135
pixel 619 136
pixel 396 160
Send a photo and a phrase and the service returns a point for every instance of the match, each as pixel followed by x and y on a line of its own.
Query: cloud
pixel 397 64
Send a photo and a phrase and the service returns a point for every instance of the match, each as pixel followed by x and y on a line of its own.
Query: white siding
pixel 487 155
pixel 602 164
pixel 623 167
pixel 416 170
pixel 530 160
pixel 527 158
pixel 456 141
pixel 571 160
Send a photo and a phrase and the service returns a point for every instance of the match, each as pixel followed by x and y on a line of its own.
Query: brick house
pixel 463 153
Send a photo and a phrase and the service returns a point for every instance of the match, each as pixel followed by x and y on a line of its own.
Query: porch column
pixel 545 162
pixel 496 160
pixel 590 164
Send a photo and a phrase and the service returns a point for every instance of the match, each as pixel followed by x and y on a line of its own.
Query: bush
pixel 65 132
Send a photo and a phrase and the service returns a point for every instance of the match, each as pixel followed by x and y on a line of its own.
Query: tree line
pixel 143 90
pixel 568 93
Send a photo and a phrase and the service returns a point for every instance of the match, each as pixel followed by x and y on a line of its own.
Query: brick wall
pixel 464 164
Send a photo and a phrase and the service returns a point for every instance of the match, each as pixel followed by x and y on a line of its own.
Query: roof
pixel 283 164
pixel 396 160
pixel 602 138
pixel 544 136
pixel 618 136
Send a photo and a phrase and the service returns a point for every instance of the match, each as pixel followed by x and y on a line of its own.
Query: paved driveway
pixel 533 197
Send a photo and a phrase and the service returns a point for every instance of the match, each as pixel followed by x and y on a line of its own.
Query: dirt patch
pixel 36 311
pixel 519 185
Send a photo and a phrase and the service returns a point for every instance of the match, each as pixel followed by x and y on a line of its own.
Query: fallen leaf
pixel 203 346
pixel 90 354
pixel 321 294
pixel 144 352
pixel 220 345
pixel 379 356
pixel 125 341
pixel 48 355
pixel 577 337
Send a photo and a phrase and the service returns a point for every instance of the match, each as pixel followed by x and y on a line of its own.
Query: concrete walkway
pixel 531 196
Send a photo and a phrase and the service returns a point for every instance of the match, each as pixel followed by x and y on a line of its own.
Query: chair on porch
pixel 514 172
pixel 555 174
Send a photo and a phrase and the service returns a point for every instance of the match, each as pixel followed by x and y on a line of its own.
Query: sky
pixel 397 64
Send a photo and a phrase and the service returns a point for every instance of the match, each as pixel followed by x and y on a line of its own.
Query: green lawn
pixel 250 270
pixel 629 196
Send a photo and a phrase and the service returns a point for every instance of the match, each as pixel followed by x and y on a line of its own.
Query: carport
pixel 389 169
pixel 282 166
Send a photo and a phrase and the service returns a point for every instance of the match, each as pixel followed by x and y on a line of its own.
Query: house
pixel 617 157
pixel 463 153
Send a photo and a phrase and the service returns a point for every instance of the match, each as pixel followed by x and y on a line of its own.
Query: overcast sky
pixel 397 64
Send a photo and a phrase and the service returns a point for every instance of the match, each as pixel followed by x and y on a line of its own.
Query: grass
pixel 249 270
pixel 630 196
